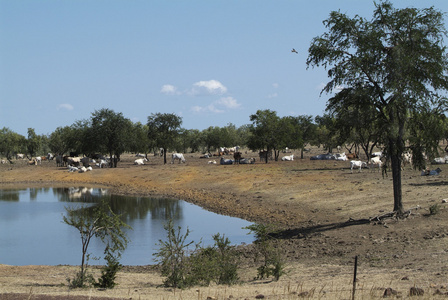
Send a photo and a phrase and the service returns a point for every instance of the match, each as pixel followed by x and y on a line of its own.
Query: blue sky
pixel 210 62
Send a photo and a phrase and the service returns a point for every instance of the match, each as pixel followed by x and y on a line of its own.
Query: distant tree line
pixel 110 133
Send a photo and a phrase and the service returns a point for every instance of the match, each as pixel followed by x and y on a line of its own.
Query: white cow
pixel 140 161
pixel 440 160
pixel 20 156
pixel 341 156
pixel 212 162
pixel 406 160
pixel 375 162
pixel 38 159
pixel 357 164
pixel 178 156
pixel 288 157
pixel 73 161
pixel 379 153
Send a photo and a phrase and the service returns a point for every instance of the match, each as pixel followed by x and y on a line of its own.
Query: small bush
pixel 108 272
pixel 272 260
pixel 217 263
pixel 434 209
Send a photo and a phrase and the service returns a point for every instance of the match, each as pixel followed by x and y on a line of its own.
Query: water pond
pixel 32 231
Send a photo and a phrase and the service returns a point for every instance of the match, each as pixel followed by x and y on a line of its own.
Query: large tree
pixel 11 143
pixel 110 132
pixel 164 130
pixel 398 59
pixel 267 132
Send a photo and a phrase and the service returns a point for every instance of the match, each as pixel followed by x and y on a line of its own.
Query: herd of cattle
pixel 85 164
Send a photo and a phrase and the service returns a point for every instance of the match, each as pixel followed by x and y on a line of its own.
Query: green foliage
pixel 80 280
pixel 163 130
pixel 100 222
pixel 109 271
pixel 33 142
pixel 218 263
pixel 272 260
pixel 270 132
pixel 110 133
pixel 11 143
pixel 388 69
pixel 434 209
pixel 200 266
pixel 173 257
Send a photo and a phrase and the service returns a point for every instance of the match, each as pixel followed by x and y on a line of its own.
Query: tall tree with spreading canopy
pixel 164 129
pixel 398 59
pixel 111 133
pixel 266 132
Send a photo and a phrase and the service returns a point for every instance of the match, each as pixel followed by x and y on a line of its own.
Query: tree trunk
pixel 396 177
pixel 164 156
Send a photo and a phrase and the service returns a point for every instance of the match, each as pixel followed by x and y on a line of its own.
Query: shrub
pixel 272 259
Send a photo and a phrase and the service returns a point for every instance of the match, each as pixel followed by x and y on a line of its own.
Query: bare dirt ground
pixel 320 205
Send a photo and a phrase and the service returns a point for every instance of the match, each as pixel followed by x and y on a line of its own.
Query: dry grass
pixel 311 200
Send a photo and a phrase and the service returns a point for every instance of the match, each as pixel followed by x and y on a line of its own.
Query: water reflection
pixel 32 219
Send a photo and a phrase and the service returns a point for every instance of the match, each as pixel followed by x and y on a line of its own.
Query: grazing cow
pixel 50 156
pixel 237 157
pixel 20 156
pixel 357 164
pixel 225 161
pixel 140 161
pixel 38 159
pixel 245 161
pixel 178 156
pixel 375 162
pixel 32 162
pixel 288 157
pixel 429 172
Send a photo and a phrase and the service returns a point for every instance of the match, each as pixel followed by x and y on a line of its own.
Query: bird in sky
pixel 294 50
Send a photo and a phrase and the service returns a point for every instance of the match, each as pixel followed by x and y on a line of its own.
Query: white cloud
pixel 273 95
pixel 218 106
pixel 275 85
pixel 213 87
pixel 169 89
pixel 228 102
pixel 65 106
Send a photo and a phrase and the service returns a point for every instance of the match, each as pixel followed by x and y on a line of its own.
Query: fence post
pixel 354 277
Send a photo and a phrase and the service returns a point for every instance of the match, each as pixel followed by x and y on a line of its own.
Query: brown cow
pixel 352 155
